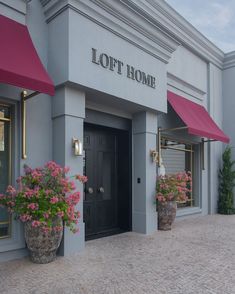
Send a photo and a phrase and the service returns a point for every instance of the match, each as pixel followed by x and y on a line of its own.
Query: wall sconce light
pixel 154 155
pixel 78 148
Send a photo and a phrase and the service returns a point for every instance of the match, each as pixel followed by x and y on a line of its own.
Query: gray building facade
pixel 112 64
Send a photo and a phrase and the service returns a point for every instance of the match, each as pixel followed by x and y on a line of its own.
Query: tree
pixel 226 184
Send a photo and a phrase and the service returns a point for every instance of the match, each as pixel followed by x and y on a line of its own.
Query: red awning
pixel 20 64
pixel 196 118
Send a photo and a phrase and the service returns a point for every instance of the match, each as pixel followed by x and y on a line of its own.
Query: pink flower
pixel 47 186
pixel 25 217
pixel 46 215
pixel 72 185
pixel 66 169
pixel 29 193
pixel 46 230
pixel 11 190
pixel 33 206
pixel 36 224
pixel 55 173
pixel 82 179
pixel 74 198
pixel 54 200
pixel 48 192
pixel 179 189
pixel 57 228
pixel 60 214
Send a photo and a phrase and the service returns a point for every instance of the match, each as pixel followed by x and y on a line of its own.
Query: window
pixel 5 166
pixel 180 157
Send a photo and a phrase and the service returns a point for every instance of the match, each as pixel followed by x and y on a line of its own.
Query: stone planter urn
pixel 42 245
pixel 166 214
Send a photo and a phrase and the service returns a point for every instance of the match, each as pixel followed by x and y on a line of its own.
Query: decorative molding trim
pixel 15 10
pixel 229 60
pixel 182 86
pixel 185 32
pixel 44 2
pixel 147 38
pixel 19 6
pixel 151 21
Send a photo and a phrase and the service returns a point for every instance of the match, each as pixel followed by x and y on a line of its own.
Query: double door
pixel 100 195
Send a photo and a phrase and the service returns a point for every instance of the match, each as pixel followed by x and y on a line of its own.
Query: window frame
pixel 8 120
pixel 195 162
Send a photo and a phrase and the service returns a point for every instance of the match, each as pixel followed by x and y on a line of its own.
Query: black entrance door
pixel 100 202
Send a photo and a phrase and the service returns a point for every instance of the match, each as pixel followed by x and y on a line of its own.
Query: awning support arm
pixel 24 98
pixel 160 130
pixel 208 141
pixel 173 129
pixel 178 129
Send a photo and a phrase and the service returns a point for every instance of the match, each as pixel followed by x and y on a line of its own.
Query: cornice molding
pixel 19 6
pixel 185 32
pixel 15 10
pixel 185 87
pixel 44 2
pixel 152 25
pixel 229 60
pixel 129 27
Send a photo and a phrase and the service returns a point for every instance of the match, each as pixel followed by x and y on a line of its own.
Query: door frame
pixel 118 132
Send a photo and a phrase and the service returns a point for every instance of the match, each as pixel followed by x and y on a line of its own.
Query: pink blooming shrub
pixel 44 194
pixel 175 187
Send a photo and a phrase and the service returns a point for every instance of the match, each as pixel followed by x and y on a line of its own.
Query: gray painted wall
pixel 215 105
pixel 229 105
pixel 64 43
pixel 229 101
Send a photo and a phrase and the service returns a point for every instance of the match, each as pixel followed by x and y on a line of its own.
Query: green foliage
pixel 226 184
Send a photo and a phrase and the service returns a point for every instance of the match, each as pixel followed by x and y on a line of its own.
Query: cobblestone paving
pixel 196 257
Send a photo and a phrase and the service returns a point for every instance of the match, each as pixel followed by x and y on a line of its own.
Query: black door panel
pixel 100 202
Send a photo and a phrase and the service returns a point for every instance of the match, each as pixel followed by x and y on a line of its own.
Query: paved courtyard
pixel 197 256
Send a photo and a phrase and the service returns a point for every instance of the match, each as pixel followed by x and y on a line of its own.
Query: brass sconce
pixel 78 148
pixel 154 155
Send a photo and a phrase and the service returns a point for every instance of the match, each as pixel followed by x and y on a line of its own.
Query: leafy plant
pixel 226 184
pixel 44 194
pixel 175 187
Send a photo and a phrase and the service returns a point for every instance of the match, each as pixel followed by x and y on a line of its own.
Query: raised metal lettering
pixel 94 60
pixel 130 72
pixel 104 60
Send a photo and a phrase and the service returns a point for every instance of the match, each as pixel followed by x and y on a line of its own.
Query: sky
pixel 213 18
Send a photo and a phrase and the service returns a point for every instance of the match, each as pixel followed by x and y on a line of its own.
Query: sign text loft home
pixel 116 65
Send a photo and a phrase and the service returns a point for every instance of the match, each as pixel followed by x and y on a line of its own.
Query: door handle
pixel 101 190
pixel 90 190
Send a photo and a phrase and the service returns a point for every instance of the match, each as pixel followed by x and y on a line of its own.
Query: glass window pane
pixel 4 223
pixel 4 230
pixel 177 157
pixel 4 112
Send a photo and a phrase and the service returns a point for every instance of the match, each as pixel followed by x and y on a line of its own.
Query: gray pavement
pixel 196 257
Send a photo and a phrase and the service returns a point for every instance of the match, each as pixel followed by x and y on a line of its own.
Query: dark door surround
pixel 107 194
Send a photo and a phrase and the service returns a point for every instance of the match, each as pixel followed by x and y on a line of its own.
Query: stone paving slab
pixel 196 257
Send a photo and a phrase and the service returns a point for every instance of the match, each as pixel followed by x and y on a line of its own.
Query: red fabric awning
pixel 196 118
pixel 20 64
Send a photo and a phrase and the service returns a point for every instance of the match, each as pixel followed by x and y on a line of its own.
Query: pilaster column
pixel 144 216
pixel 68 113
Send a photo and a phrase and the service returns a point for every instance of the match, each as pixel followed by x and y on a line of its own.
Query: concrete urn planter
pixel 42 246
pixel 166 214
